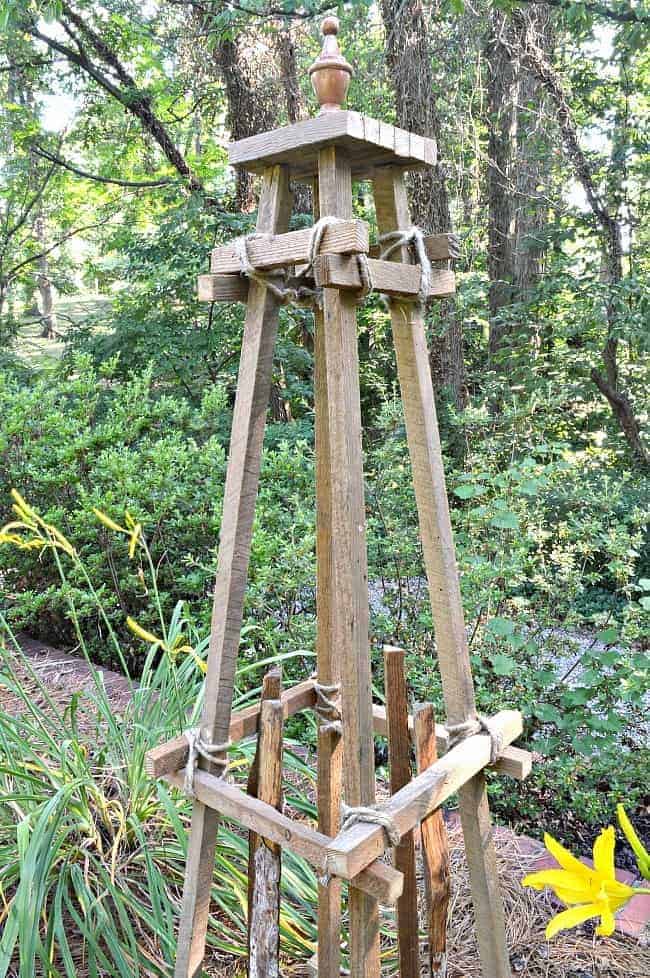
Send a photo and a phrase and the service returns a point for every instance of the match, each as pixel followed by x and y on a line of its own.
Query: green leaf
pixel 503 665
pixel 505 521
pixel 644 583
pixel 501 626
pixel 466 491
pixel 608 636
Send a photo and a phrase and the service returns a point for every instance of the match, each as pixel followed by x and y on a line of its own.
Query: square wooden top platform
pixel 368 142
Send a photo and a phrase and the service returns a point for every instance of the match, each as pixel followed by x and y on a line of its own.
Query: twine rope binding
pixel 328 706
pixel 393 240
pixel 198 747
pixel 469 728
pixel 299 293
pixel 372 814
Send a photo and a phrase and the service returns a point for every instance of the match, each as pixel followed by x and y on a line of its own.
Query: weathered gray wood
pixel 265 859
pixel 349 608
pixel 292 248
pixel 342 272
pixel 439 247
pixel 242 478
pixel 367 142
pixel 266 746
pixel 435 850
pixel 399 756
pixel 379 881
pixel 440 560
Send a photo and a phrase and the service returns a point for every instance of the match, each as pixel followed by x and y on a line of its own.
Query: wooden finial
pixel 330 72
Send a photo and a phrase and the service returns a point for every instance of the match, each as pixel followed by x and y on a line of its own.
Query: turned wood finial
pixel 330 72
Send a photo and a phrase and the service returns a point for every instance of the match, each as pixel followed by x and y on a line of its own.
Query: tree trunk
pixel 502 119
pixel 610 232
pixel 48 316
pixel 533 165
pixel 409 57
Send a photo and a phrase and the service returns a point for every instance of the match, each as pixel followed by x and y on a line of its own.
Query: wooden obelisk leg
pixel 349 608
pixel 330 746
pixel 442 573
pixel 253 390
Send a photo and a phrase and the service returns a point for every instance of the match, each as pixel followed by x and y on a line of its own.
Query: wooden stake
pixel 271 690
pixel 249 418
pixel 349 598
pixel 265 856
pixel 440 560
pixel 435 849
pixel 330 745
pixel 399 754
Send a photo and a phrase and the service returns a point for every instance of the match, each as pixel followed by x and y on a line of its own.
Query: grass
pixel 71 311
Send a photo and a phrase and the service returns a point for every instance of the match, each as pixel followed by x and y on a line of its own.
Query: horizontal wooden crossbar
pixel 170 757
pixel 351 851
pixel 391 278
pixel 378 880
pixel 439 247
pixel 272 251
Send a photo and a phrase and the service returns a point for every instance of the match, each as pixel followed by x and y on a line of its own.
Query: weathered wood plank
pixel 361 844
pixel 399 755
pixel 265 857
pixel 367 142
pixel 435 850
pixel 273 251
pixel 342 272
pixel 330 745
pixel 271 691
pixel 222 288
pixel 253 389
pixel 444 588
pixel 439 247
pixel 172 755
pixel 379 881
pixel 349 596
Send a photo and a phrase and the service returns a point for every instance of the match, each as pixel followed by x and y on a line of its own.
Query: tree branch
pixel 136 184
pixel 624 16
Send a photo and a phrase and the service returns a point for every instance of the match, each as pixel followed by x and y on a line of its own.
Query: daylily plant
pixel 587 892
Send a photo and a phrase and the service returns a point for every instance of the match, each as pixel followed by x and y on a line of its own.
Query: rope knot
pixel 393 240
pixel 469 728
pixel 372 814
pixel 328 706
pixel 198 747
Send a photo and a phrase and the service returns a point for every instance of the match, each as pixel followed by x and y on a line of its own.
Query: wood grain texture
pixel 435 850
pixel 271 691
pixel 367 143
pixel 265 858
pixel 399 756
pixel 442 573
pixel 253 389
pixel 330 744
pixel 364 843
pixel 439 247
pixel 171 756
pixel 379 881
pixel 349 596
pixel 391 278
pixel 278 250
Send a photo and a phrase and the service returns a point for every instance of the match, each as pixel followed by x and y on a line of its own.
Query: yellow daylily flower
pixel 640 852
pixel 587 892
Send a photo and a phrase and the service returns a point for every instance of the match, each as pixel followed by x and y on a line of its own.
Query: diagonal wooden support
pixel 440 560
pixel 349 607
pixel 377 880
pixel 363 843
pixel 253 390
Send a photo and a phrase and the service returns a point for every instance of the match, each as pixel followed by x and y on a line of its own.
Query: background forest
pixel 117 386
